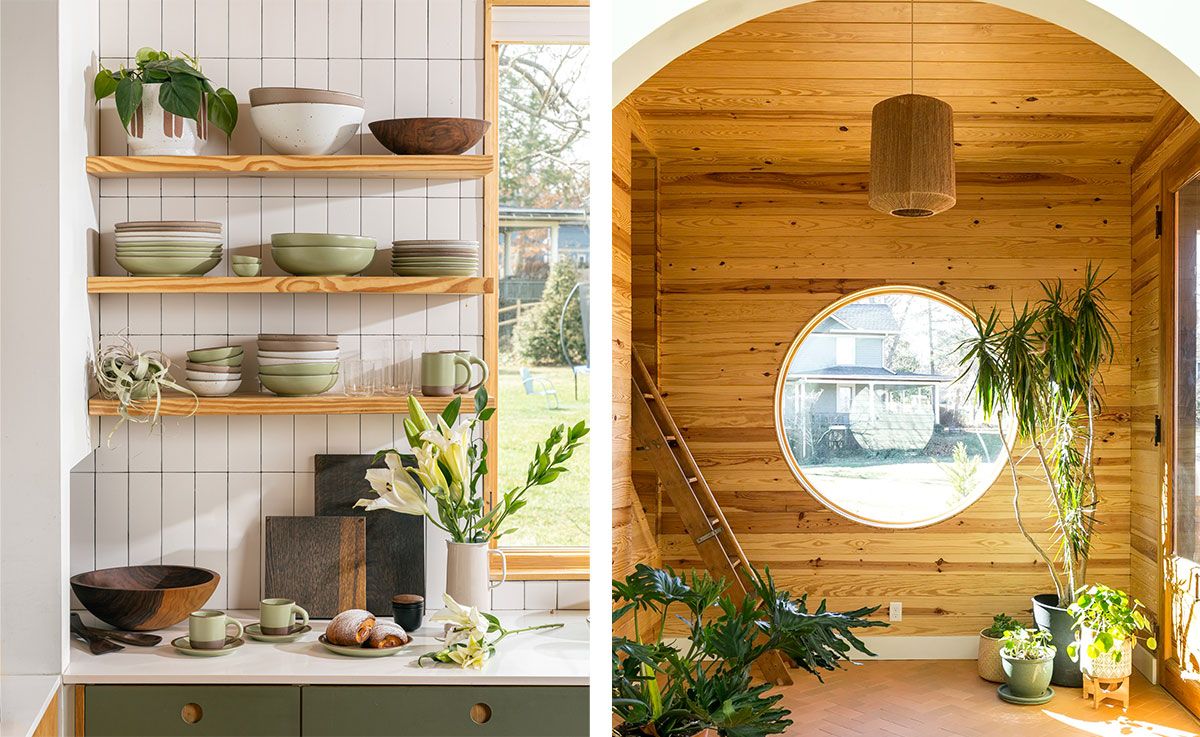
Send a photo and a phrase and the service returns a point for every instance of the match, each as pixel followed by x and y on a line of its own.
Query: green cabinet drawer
pixel 191 711
pixel 445 711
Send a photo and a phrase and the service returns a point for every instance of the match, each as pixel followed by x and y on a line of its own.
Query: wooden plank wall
pixel 1173 132
pixel 645 298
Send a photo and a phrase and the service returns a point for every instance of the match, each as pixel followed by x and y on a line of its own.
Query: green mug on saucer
pixel 278 616
pixel 439 373
pixel 207 629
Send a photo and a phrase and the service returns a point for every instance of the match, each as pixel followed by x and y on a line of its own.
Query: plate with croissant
pixel 355 633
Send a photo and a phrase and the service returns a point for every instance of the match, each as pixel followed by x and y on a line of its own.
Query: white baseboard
pixel 1146 663
pixel 917 647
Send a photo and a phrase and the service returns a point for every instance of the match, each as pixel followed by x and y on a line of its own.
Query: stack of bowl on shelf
pixel 215 372
pixel 168 247
pixel 297 365
pixel 435 258
pixel 322 254
pixel 246 265
pixel 305 122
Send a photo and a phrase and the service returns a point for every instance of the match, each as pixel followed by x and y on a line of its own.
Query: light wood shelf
pixel 179 404
pixel 465 166
pixel 291 284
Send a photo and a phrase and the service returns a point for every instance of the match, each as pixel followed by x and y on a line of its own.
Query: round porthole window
pixel 876 416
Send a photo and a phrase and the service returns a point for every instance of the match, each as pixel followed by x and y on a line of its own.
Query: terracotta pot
pixel 155 132
pixel 1105 665
pixel 467 573
pixel 988 662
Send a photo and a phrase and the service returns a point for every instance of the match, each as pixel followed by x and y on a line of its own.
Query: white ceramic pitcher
pixel 467 573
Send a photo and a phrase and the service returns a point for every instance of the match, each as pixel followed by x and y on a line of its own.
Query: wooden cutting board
pixel 395 542
pixel 318 561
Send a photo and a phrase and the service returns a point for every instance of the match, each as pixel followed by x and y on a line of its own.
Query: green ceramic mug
pixel 278 616
pixel 207 629
pixel 462 374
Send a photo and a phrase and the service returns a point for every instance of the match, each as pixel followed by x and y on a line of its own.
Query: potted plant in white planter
pixel 1028 659
pixel 990 641
pixel 1108 622
pixel 451 465
pixel 1038 373
pixel 135 379
pixel 166 103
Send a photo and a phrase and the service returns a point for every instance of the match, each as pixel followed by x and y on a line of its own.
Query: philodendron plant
pixel 1111 618
pixel 135 379
pixel 664 688
pixel 184 88
pixel 1027 644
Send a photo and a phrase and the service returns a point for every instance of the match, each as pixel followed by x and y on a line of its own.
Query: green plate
pixel 316 368
pixel 291 240
pixel 433 272
pixel 359 652
pixel 183 645
pixel 206 355
pixel 254 632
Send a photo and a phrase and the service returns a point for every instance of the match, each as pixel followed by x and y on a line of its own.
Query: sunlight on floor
pixel 1119 727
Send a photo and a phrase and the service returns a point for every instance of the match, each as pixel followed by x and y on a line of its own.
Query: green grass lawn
pixel 557 514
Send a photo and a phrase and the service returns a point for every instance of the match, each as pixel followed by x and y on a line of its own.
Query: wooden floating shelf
pixel 465 166
pixel 178 404
pixel 291 284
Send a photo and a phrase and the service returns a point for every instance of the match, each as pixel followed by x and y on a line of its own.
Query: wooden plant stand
pixel 1099 689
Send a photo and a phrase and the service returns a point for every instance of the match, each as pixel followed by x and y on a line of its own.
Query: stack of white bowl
pixel 168 247
pixel 215 372
pixel 304 121
pixel 435 258
pixel 297 365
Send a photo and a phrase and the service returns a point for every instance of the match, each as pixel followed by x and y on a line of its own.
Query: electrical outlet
pixel 895 611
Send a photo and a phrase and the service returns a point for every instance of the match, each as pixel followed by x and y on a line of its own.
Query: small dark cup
pixel 407 610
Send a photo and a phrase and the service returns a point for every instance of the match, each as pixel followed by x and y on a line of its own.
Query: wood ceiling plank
pixel 795 51
pixel 977 157
pixel 704 71
pixel 987 33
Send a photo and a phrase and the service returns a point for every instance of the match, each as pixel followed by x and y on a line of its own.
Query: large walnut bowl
pixel 438 136
pixel 141 598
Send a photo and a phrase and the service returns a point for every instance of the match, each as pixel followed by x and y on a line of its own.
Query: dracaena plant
pixel 1113 618
pixel 184 88
pixel 1038 373
pixel 451 463
pixel 661 689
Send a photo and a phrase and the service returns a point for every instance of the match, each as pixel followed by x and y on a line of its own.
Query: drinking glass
pixel 398 374
pixel 361 377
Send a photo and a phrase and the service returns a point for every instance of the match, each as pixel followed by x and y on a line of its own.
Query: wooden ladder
pixel 658 435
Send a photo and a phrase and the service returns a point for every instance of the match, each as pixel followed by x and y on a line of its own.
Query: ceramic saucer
pixel 1008 696
pixel 184 645
pixel 357 651
pixel 254 632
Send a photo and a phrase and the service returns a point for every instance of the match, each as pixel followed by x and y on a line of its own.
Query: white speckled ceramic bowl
pixel 307 128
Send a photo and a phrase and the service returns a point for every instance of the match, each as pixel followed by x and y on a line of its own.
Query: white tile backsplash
pixel 197 491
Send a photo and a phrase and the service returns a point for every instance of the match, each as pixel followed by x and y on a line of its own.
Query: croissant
pixel 386 634
pixel 351 627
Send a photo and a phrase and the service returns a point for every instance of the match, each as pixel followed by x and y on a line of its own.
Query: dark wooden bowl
pixel 442 136
pixel 141 598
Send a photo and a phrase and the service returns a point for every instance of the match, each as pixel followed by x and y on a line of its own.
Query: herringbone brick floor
pixel 945 698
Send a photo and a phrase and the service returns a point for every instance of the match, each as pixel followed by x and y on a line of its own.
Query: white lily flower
pixel 468 620
pixel 473 654
pixel 396 489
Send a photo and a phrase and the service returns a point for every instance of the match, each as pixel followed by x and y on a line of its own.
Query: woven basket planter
pixel 1106 664
pixel 990 667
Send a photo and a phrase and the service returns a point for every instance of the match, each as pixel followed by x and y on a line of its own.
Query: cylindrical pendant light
pixel 912 149
pixel 912 156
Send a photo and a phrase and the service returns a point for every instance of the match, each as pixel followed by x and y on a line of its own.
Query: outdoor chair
pixel 539 386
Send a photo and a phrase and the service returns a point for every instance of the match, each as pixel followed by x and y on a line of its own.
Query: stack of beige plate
pixel 168 247
pixel 435 258
pixel 297 365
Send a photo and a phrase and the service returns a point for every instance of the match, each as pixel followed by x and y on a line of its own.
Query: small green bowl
pixel 245 269
pixel 292 240
pixel 238 258
pixel 232 361
pixel 323 261
pixel 318 368
pixel 205 355
pixel 298 386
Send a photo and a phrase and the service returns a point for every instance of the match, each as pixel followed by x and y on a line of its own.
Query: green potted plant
pixel 166 103
pixel 135 379
pixel 990 637
pixel 666 688
pixel 451 464
pixel 1038 373
pixel 1108 622
pixel 1028 659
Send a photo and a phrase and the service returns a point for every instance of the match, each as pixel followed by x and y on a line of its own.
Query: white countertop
pixel 543 658
pixel 23 701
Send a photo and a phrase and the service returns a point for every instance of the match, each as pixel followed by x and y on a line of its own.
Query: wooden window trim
pixel 524 563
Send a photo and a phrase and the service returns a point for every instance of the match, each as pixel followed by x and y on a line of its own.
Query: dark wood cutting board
pixel 395 542
pixel 318 561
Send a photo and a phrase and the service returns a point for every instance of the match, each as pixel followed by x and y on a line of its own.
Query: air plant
pixel 136 380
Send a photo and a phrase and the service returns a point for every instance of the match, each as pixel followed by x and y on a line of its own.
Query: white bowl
pixel 214 388
pixel 307 128
pixel 302 356
pixel 212 376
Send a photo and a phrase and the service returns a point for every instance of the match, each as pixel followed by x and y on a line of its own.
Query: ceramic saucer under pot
pixel 254 632
pixel 184 645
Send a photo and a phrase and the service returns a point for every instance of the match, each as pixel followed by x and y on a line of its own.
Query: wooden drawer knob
pixel 191 713
pixel 481 713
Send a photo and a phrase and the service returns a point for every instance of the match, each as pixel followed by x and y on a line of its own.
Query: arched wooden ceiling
pixel 794 89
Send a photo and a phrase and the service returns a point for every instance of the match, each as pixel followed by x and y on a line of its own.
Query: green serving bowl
pixel 167 265
pixel 205 355
pixel 231 361
pixel 317 368
pixel 323 260
pixel 298 386
pixel 294 240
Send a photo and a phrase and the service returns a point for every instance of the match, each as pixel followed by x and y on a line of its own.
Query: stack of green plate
pixel 297 365
pixel 168 247
pixel 435 258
